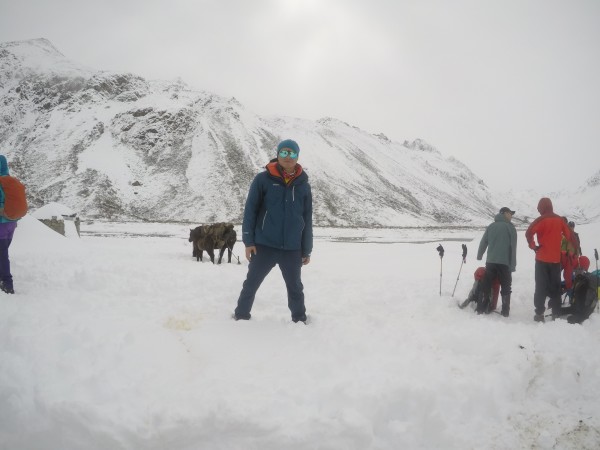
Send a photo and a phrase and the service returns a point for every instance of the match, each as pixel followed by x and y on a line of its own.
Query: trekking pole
pixel 440 250
pixel 464 260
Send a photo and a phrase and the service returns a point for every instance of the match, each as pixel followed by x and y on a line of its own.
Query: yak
pixel 210 237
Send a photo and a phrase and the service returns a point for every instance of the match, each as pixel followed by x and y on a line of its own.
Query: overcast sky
pixel 509 87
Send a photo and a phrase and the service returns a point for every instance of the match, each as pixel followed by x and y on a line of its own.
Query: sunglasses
pixel 285 153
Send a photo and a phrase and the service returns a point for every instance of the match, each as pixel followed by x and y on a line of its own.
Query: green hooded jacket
pixel 500 240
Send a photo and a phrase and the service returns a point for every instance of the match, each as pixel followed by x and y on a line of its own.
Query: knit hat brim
pixel 288 143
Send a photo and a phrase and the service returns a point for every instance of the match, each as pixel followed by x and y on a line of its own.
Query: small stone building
pixel 60 218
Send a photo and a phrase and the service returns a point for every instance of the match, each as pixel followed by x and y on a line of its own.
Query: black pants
pixel 500 271
pixel 547 284
pixel 290 264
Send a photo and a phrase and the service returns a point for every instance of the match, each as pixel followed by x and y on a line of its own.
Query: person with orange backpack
pixel 13 206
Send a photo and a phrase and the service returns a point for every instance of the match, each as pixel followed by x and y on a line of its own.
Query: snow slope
pixel 121 340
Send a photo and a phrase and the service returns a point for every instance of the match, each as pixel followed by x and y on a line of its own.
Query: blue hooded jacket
pixel 3 172
pixel 277 214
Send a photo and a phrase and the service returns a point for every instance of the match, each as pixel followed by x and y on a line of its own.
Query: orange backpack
pixel 15 201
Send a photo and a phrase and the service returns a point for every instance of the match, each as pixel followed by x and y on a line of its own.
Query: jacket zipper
pixel 264 218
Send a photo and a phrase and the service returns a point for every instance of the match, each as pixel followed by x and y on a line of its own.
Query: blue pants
pixel 290 264
pixel 7 229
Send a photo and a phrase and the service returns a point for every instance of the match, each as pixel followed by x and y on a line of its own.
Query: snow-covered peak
pixel 594 180
pixel 33 49
pixel 19 59
pixel 420 145
pixel 332 122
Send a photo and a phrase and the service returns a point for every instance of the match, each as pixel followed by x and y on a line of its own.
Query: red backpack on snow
pixel 15 201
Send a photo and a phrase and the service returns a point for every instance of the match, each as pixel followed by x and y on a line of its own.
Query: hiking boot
pixel 483 306
pixel 574 318
pixel 464 304
pixel 556 313
pixel 7 289
pixel 235 317
pixel 505 305
pixel 539 318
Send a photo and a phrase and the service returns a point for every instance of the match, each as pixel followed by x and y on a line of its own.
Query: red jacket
pixel 549 229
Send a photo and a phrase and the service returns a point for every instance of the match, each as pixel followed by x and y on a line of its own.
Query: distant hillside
pixel 119 146
pixel 580 204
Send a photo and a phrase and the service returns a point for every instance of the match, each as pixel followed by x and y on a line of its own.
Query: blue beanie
pixel 288 143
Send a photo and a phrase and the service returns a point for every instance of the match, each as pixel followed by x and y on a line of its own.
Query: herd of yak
pixel 211 237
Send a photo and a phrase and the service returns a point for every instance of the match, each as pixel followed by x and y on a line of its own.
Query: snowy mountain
pixel 580 204
pixel 119 146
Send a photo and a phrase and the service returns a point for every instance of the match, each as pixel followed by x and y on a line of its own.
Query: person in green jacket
pixel 500 240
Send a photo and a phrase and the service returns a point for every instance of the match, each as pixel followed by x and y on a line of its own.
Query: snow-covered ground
pixel 121 340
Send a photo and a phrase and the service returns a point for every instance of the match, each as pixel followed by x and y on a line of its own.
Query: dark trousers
pixel 500 271
pixel 290 264
pixel 547 284
pixel 6 234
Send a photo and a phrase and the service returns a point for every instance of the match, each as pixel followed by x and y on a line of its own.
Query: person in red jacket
pixel 569 259
pixel 549 229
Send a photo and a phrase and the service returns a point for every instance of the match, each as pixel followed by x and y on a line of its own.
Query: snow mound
pixel 53 209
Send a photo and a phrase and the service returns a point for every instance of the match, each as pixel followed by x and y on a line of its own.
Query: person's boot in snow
pixel 505 305
pixel 539 318
pixel 301 318
pixel 556 305
pixel 6 279
pixel 7 289
pixel 483 304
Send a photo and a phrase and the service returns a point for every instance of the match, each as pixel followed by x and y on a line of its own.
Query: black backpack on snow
pixel 585 297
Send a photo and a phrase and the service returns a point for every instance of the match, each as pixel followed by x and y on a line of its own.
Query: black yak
pixel 210 237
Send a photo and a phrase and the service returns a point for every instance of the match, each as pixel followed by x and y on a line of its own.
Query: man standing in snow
pixel 549 228
pixel 500 240
pixel 277 229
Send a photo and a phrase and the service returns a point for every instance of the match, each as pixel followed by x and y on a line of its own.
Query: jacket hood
pixel 545 206
pixel 500 218
pixel 3 166
pixel 273 169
